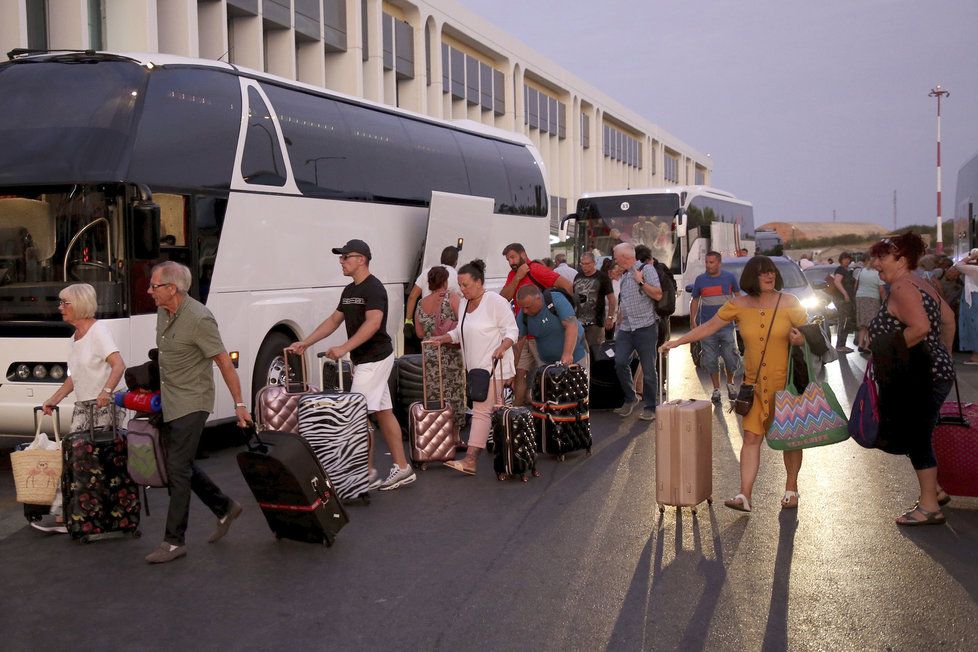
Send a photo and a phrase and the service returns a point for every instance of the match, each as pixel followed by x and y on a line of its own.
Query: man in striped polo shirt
pixel 710 291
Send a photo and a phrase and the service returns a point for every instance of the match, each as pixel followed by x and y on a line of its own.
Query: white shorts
pixel 370 379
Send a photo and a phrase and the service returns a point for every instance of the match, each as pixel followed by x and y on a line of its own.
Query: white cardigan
pixel 970 273
pixel 485 328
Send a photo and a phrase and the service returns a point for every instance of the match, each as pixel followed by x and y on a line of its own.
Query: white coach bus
pixel 680 224
pixel 111 163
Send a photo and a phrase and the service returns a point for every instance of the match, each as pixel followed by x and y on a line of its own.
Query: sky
pixel 804 107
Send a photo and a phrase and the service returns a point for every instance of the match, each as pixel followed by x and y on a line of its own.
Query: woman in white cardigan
pixel 968 313
pixel 487 332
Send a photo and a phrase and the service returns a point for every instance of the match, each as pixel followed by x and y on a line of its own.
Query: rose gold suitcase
pixel 683 453
pixel 432 433
pixel 278 405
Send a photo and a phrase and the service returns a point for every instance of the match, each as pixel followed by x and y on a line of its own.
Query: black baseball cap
pixel 353 247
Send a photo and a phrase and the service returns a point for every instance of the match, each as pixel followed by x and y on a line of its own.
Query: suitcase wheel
pixel 424 466
pixel 365 498
pixel 561 457
pixel 501 477
pixel 328 541
pixel 694 511
pixel 709 501
pixel 525 478
pixel 536 474
pixel 588 452
pixel 662 509
pixel 136 534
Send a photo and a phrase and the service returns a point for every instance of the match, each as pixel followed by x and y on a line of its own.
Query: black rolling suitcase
pixel 560 410
pixel 514 442
pixel 101 500
pixel 292 490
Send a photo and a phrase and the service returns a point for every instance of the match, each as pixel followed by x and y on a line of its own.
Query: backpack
pixel 665 306
pixel 548 301
pixel 567 295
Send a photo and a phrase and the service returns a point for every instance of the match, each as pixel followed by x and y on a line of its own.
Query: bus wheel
pixel 269 365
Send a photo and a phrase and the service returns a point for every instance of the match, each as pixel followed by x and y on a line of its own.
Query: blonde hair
pixel 82 298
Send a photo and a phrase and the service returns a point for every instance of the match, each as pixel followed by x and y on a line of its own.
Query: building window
pixel 498 93
pixel 471 79
pixel 700 176
pixel 485 87
pixel 546 113
pixel 37 24
pixel 458 74
pixel 446 65
pixel 620 146
pixel 533 100
pixel 670 166
pixel 388 38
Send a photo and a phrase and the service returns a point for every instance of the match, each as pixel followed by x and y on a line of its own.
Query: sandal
pixel 930 518
pixel 458 466
pixel 738 503
pixel 943 500
pixel 790 500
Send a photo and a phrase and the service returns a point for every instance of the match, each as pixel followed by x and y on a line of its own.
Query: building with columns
pixel 434 57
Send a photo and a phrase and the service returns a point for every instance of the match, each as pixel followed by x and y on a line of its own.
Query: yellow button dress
pixel 753 324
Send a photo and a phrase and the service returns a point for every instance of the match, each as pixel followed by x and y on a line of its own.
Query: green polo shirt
pixel 187 341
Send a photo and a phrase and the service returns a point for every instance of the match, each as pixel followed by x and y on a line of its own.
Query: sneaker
pixel 49 524
pixel 647 414
pixel 224 524
pixel 373 479
pixel 626 409
pixel 731 391
pixel 166 552
pixel 843 349
pixel 398 478
pixel 716 396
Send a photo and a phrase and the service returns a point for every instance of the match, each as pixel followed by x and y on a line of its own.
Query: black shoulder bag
pixel 476 380
pixel 745 397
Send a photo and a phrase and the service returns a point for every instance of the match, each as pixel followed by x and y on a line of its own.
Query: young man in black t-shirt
pixel 363 308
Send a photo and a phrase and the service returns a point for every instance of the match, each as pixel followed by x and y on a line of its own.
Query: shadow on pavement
pixel 776 632
pixel 953 546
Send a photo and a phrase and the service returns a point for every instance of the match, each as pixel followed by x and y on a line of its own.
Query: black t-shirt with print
pixel 356 300
pixel 848 281
pixel 590 292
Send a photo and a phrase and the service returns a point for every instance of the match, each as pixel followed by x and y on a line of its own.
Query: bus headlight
pixel 40 372
pixel 23 372
pixel 37 372
pixel 57 372
pixel 810 303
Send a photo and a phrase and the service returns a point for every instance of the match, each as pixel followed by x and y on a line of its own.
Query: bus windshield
pixel 66 123
pixel 634 219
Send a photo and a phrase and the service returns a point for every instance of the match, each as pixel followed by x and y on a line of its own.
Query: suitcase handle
pixel 339 371
pixel 662 391
pixel 305 386
pixel 251 435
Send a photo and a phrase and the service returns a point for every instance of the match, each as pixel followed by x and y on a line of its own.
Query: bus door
pixel 461 221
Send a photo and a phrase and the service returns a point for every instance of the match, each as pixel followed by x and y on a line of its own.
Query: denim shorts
pixel 720 345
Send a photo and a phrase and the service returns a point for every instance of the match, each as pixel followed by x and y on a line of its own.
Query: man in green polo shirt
pixel 189 345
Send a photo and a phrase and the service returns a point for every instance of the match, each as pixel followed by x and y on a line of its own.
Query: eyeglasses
pixel 348 256
pixel 157 286
pixel 62 302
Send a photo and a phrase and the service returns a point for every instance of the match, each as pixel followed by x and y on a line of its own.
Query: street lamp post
pixel 939 92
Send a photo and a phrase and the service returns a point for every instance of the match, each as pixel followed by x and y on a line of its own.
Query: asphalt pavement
pixel 578 559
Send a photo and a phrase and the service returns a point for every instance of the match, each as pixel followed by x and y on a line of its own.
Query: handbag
pixel 807 419
pixel 864 419
pixel 476 380
pixel 37 468
pixel 745 395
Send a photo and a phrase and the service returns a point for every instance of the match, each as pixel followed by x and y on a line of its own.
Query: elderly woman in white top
pixel 968 315
pixel 487 332
pixel 95 366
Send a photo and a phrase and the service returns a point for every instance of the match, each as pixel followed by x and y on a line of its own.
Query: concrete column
pixel 247 44
pixel 280 56
pixel 131 25
pixel 373 67
pixel 212 31
pixel 310 62
pixel 344 70
pixel 67 24
pixel 13 25
pixel 434 106
pixel 598 142
pixel 514 98
pixel 178 30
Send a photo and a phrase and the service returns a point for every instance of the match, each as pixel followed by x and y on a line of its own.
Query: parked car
pixel 816 278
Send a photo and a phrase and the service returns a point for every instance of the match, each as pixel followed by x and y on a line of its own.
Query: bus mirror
pixel 145 226
pixel 567 218
pixel 681 225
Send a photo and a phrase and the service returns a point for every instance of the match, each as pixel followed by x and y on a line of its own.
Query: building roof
pixel 790 231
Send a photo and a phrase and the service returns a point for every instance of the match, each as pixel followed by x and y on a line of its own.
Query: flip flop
pixel 738 503
pixel 786 501
pixel 455 464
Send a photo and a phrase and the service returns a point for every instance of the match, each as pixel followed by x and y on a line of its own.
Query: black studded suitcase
pixel 560 410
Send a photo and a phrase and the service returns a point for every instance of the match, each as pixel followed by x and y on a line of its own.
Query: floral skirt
pixel 453 374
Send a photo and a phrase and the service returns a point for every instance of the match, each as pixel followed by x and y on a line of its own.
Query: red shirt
pixel 543 275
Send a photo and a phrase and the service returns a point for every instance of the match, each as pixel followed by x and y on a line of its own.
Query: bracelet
pixel 241 405
pixel 107 390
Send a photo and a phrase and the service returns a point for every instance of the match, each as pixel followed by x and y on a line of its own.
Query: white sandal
pixel 786 500
pixel 739 503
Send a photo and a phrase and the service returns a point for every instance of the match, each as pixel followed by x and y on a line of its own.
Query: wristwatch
pixel 241 405
pixel 107 390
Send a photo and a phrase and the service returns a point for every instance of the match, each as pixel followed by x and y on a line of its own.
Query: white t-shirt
pixel 485 329
pixel 87 361
pixel 566 271
pixel 422 281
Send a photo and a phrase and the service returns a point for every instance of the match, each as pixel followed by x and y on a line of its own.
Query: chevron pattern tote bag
pixel 807 419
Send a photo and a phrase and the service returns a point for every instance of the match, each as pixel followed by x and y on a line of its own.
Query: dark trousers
pixel 846 320
pixel 643 342
pixel 922 448
pixel 182 437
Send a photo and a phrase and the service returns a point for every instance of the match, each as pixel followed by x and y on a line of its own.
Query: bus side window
pixel 209 217
pixel 262 162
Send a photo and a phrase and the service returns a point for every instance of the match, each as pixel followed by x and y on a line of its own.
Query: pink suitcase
pixel 432 432
pixel 956 447
pixel 683 452
pixel 277 406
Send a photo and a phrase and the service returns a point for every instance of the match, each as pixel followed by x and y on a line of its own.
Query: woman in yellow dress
pixel 753 313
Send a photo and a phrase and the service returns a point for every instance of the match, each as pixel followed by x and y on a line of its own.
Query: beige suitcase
pixel 683 453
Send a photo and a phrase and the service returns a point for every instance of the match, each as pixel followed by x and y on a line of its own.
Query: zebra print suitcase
pixel 337 429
